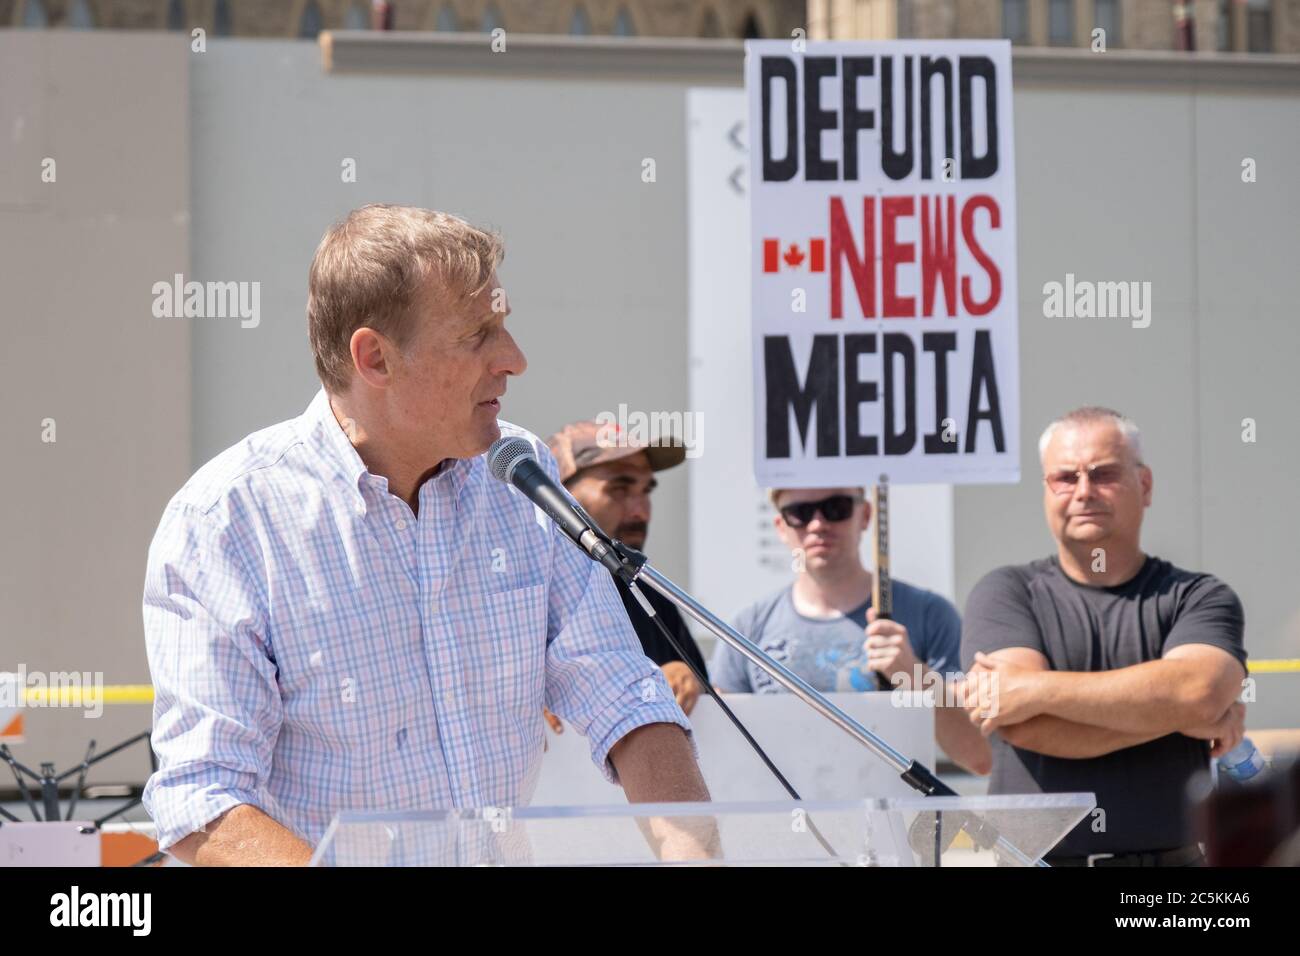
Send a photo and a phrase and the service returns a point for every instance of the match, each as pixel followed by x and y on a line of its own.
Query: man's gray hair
pixel 1091 414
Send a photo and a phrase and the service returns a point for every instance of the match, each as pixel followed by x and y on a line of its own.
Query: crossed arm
pixel 1191 690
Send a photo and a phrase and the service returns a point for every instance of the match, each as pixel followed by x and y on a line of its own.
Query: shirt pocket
pixel 506 652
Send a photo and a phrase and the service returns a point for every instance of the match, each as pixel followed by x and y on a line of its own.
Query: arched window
pixel 1259 26
pixel 310 25
pixel 34 15
pixel 1105 14
pixel 358 18
pixel 623 26
pixel 1060 22
pixel 1015 20
pixel 447 21
pixel 222 25
pixel 711 27
pixel 492 19
pixel 80 17
pixel 176 15
pixel 751 30
pixel 579 23
pixel 906 20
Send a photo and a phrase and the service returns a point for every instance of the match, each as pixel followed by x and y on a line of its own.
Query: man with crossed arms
pixel 1111 671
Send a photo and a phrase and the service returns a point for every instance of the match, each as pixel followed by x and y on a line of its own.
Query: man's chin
pixel 1086 533
pixel 488 433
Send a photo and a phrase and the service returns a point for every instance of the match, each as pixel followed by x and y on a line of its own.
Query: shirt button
pixel 401 524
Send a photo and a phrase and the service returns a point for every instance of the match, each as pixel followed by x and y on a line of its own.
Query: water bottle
pixel 1243 761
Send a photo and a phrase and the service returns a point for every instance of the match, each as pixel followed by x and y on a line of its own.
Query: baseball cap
pixel 580 445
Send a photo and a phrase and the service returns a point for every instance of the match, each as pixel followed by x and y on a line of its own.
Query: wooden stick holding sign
pixel 882 591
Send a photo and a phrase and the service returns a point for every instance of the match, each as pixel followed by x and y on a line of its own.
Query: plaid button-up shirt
pixel 315 647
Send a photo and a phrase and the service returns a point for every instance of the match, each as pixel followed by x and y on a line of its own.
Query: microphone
pixel 513 461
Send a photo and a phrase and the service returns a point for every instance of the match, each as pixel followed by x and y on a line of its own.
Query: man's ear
pixel 371 353
pixel 1147 481
pixel 866 513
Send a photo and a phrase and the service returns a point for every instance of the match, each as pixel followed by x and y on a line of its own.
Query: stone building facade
pixel 1259 26
pixel 288 18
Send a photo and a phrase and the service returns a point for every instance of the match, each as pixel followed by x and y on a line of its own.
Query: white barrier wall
pixel 818 759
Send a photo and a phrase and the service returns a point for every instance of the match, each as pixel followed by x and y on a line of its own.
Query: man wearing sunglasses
pixel 1110 670
pixel 823 628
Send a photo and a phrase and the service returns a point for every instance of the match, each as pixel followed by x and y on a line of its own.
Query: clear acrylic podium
pixel 910 831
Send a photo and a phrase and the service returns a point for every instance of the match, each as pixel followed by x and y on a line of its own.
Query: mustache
pixel 635 527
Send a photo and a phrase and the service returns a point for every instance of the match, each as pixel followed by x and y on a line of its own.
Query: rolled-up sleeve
pixel 217 707
pixel 597 676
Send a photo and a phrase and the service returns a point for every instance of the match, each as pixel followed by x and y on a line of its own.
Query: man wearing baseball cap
pixel 612 476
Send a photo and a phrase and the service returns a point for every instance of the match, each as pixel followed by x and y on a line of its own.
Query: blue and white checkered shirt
pixel 314 647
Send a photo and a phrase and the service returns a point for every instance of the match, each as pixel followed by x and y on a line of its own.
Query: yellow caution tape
pixel 1275 667
pixel 89 694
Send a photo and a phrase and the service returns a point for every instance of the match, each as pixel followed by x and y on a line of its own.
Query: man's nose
pixel 638 508
pixel 512 360
pixel 1083 486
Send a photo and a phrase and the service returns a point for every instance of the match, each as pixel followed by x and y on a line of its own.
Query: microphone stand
pixel 630 565
pixel 635 567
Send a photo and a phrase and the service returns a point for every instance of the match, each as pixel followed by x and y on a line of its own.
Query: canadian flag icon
pixel 778 256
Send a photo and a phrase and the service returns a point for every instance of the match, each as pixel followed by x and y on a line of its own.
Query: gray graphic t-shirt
pixel 828 652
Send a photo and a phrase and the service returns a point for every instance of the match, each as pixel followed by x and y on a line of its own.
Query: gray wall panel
pixel 82 347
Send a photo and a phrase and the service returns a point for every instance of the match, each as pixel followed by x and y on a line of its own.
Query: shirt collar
pixel 326 434
pixel 455 473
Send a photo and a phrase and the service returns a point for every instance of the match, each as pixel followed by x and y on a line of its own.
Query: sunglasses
pixel 1063 482
pixel 834 508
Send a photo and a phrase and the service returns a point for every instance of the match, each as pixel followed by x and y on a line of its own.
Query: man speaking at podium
pixel 347 611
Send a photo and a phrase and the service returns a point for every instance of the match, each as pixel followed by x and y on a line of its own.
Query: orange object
pixel 13 732
pixel 125 849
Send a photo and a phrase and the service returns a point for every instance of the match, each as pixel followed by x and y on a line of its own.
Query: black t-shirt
pixel 654 644
pixel 1142 789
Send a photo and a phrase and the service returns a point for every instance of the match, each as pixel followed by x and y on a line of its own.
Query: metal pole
pixel 803 690
pixel 790 680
